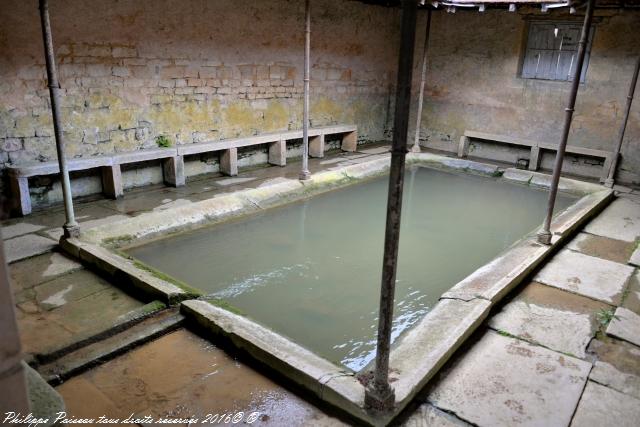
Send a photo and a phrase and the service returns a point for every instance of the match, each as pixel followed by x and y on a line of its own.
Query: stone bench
pixel 277 145
pixel 173 160
pixel 535 149
pixel 109 165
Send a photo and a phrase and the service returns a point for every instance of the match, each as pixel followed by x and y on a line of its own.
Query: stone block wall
pixel 192 70
pixel 196 70
pixel 473 83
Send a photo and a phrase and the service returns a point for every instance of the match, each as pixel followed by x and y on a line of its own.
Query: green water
pixel 311 270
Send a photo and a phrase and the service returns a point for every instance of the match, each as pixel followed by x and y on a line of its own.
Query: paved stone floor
pixel 563 349
pixel 202 380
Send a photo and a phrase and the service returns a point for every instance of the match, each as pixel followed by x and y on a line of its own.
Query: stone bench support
pixel 229 162
pixel 316 146
pixel 278 153
pixel 112 181
pixel 173 171
pixel 350 141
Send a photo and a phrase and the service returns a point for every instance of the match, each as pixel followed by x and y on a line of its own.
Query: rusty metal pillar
pixel 304 173
pixel 616 154
pixel 423 77
pixel 71 228
pixel 379 396
pixel 544 236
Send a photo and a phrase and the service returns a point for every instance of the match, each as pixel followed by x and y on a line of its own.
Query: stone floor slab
pixel 429 416
pixel 551 317
pixel 602 406
pixel 30 272
pixel 148 381
pixel 56 233
pixel 19 229
pixel 234 181
pixel 72 287
pixel 620 221
pixel 617 365
pixel 377 150
pixel 635 257
pixel 602 247
pixel 607 374
pixel 69 309
pixel 27 246
pixel 503 381
pixel 54 216
pixel 586 275
pixel 138 202
pixel 632 298
pixel 625 325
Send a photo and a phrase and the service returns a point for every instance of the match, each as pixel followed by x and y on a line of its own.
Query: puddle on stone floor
pixel 182 375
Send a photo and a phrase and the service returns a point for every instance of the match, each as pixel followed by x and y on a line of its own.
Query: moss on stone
pixel 192 292
pixel 118 240
pixel 506 334
pixel 163 142
pixel 152 307
pixel 224 305
pixel 604 317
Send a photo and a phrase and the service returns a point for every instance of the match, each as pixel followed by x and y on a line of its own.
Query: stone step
pixel 105 329
pixel 99 352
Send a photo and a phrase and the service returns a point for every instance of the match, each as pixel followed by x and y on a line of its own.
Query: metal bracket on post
pixel 379 396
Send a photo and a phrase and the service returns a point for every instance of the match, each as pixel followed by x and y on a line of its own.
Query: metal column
pixel 416 141
pixel 544 236
pixel 379 396
pixel 71 228
pixel 304 173
pixel 616 155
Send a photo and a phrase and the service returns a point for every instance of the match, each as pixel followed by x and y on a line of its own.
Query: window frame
pixel 525 48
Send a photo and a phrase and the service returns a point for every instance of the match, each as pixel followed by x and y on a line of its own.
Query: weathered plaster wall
pixel 198 70
pixel 473 83
pixel 193 70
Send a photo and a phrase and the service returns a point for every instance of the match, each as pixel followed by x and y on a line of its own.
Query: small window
pixel 552 48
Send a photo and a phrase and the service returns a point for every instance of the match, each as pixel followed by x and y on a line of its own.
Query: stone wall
pixel 473 83
pixel 197 70
pixel 191 70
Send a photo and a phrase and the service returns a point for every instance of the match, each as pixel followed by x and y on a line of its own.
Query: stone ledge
pixel 424 349
pixel 495 279
pixel 450 163
pixel 124 271
pixel 327 381
pixel 542 180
